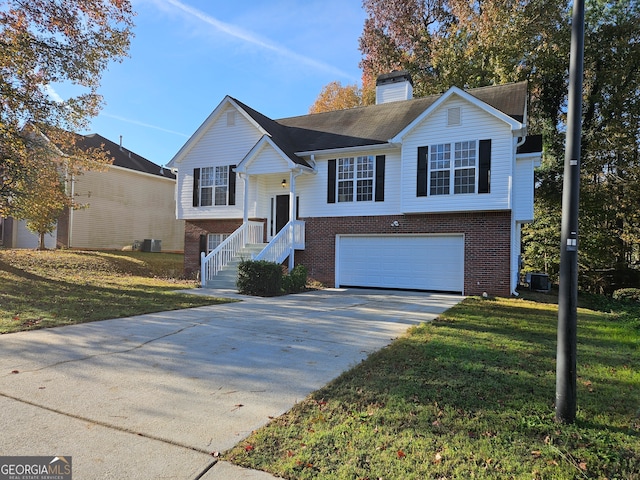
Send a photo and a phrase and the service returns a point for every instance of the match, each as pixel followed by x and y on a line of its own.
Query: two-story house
pixel 426 193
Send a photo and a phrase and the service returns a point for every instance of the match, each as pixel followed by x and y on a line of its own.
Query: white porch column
pixel 292 216
pixel 245 213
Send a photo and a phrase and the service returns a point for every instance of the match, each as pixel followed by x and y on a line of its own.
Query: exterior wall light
pixel 284 183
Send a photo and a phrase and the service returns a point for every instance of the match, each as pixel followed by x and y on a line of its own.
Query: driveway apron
pixel 157 395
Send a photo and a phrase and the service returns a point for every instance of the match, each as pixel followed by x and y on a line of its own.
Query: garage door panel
pixel 412 262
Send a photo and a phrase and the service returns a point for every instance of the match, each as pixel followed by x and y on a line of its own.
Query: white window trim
pixel 452 169
pixel 356 177
pixel 215 239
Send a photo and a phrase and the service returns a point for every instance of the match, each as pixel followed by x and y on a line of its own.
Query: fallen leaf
pixel 401 454
pixel 248 448
pixel 583 466
pixel 15 371
pixel 437 458
pixel 536 453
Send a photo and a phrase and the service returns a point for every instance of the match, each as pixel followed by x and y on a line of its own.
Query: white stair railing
pixel 291 236
pixel 249 232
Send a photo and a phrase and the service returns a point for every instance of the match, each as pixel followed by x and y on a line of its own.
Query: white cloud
pixel 53 95
pixel 251 38
pixel 142 124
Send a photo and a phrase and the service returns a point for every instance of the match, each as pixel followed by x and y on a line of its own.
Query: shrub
pixel 259 278
pixel 627 295
pixel 296 280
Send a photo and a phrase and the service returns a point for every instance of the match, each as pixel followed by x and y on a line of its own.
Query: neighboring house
pixel 14 234
pixel 427 193
pixel 131 201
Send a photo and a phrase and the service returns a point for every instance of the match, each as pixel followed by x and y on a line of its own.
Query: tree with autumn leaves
pixel 476 43
pixel 44 43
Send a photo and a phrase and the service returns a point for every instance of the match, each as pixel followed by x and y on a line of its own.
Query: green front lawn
pixel 40 289
pixel 470 396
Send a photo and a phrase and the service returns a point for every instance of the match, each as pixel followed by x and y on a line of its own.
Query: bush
pixel 296 281
pixel 627 295
pixel 259 278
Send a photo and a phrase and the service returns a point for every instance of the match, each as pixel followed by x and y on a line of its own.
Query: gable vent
pixel 453 116
pixel 231 118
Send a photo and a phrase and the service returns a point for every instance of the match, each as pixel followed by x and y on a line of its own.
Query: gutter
pixel 357 148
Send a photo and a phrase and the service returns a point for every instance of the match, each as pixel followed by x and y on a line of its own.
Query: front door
pixel 281 212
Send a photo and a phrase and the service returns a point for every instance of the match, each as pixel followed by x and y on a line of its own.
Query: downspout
pixel 70 226
pixel 514 292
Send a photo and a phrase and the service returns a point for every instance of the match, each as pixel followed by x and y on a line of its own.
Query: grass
pixel 470 396
pixel 40 289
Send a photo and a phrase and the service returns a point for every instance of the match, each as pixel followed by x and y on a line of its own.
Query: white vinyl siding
pixel 524 190
pixel 312 190
pixel 476 124
pixel 220 146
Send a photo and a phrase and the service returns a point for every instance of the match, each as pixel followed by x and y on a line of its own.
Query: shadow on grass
pixel 31 301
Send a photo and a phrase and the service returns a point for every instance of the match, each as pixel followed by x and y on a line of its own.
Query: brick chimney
pixel 393 87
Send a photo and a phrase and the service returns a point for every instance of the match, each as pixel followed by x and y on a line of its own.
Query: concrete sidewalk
pixel 155 396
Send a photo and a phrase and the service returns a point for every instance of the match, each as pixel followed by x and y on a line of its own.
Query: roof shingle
pixel 375 124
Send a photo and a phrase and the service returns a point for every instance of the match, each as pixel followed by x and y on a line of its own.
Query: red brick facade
pixel 486 249
pixel 192 231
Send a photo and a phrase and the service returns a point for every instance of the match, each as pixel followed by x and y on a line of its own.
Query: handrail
pixel 291 236
pixel 248 232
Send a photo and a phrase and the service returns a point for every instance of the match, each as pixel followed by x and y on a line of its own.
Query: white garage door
pixel 420 262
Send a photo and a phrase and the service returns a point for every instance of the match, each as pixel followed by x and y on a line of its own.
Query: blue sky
pixel 273 55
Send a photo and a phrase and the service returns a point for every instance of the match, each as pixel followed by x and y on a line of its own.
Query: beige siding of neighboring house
pixel 124 206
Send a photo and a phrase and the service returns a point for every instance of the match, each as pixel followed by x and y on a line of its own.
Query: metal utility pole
pixel 568 293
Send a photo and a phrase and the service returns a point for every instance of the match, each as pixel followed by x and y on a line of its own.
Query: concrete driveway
pixel 153 396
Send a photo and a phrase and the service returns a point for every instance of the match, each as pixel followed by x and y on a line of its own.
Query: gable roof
pixel 376 124
pixel 122 157
pixel 363 126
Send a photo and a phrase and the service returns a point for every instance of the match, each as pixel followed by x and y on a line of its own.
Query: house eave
pixel 346 150
pixel 517 128
pixel 138 172
pixel 204 127
pixel 265 140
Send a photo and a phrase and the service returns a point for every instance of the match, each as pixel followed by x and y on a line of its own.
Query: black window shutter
pixel 331 182
pixel 380 160
pixel 202 247
pixel 196 187
pixel 421 187
pixel 484 164
pixel 232 185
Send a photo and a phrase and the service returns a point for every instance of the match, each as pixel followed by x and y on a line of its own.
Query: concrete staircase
pixel 227 276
